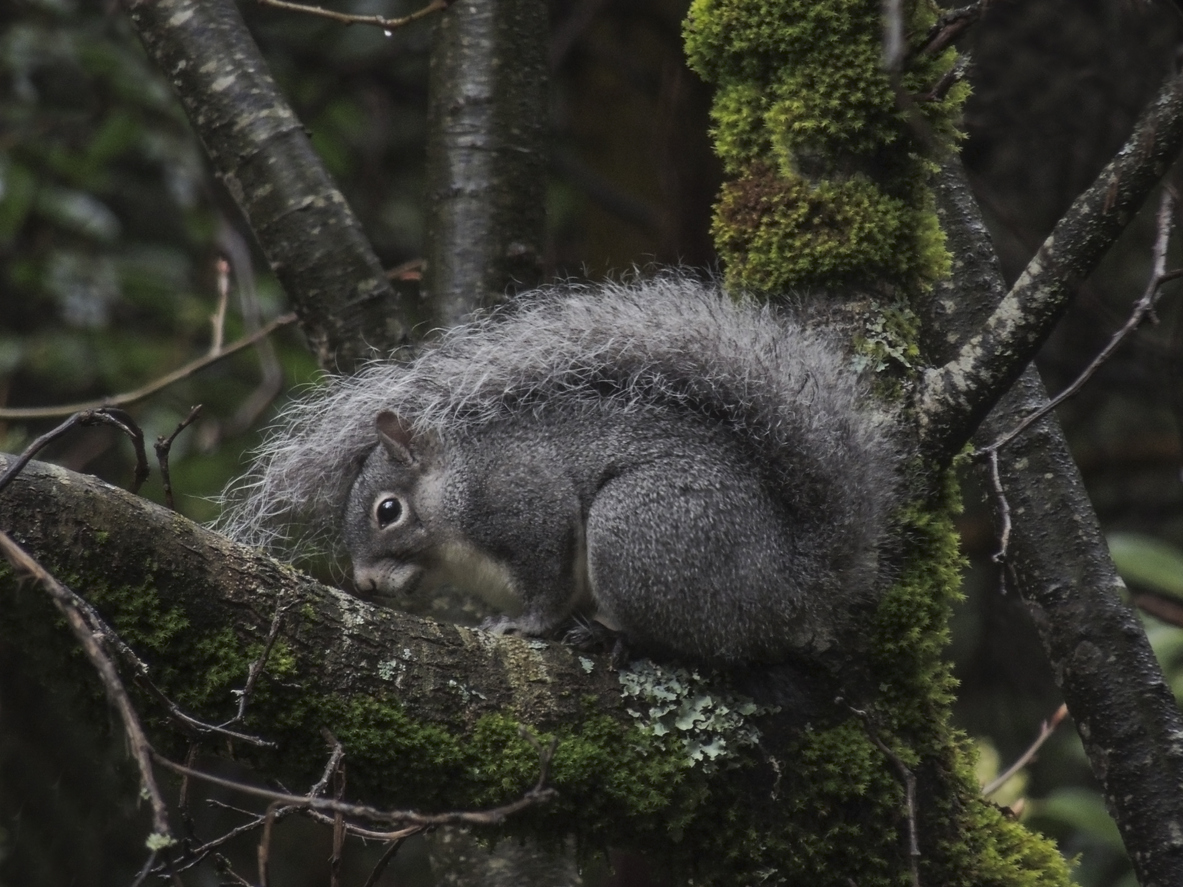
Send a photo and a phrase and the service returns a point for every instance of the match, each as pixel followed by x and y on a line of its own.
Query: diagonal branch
pixel 1129 724
pixel 262 154
pixel 953 399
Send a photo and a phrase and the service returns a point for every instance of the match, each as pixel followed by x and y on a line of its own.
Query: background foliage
pixel 110 225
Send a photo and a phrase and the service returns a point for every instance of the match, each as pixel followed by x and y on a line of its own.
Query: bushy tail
pixel 786 390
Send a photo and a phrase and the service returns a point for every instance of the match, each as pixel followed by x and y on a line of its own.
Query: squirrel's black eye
pixel 387 511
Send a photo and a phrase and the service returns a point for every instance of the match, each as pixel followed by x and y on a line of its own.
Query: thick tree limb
pixel 261 152
pixel 487 123
pixel 1114 688
pixel 953 399
pixel 351 648
pixel 428 713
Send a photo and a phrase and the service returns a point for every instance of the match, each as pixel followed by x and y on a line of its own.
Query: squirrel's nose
pixel 366 579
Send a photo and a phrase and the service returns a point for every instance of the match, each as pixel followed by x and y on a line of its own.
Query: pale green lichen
pixel 710 724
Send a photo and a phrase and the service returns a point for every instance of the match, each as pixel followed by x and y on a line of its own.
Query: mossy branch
pixel 429 713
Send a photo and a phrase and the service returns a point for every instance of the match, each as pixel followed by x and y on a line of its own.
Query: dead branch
pixel 130 397
pixel 378 21
pixel 1045 731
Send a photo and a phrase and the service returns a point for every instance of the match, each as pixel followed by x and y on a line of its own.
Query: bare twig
pixel 264 848
pixel 238 257
pixel 383 861
pixel 218 321
pixel 1045 731
pixel 145 869
pixel 909 780
pixel 1000 557
pixel 539 794
pixel 958 71
pixel 138 746
pixel 151 388
pixel 387 24
pixel 339 831
pixel 257 666
pixel 1143 308
pixel 163 445
pixel 950 26
pixel 87 417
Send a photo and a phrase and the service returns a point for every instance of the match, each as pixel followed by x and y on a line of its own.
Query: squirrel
pixel 705 475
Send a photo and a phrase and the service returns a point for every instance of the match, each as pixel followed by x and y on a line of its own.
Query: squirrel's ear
pixel 397 436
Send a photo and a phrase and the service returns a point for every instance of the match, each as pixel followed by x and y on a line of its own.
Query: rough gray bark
pixel 263 155
pixel 954 398
pixel 1125 713
pixel 486 154
pixel 350 647
pixel 427 712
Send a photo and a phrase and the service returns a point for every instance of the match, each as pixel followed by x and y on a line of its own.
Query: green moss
pixel 780 232
pixel 827 164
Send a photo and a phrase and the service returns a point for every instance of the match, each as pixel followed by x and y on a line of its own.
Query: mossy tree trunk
pixel 830 159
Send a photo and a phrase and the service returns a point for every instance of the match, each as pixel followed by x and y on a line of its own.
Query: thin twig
pixel 959 70
pixel 151 388
pixel 1143 307
pixel 1045 731
pixel 145 870
pixel 950 26
pixel 195 855
pixel 256 667
pixel 334 762
pixel 218 321
pixel 162 446
pixel 87 417
pixel 383 861
pixel 339 832
pixel 264 848
pixel 138 746
pixel 909 780
pixel 387 24
pixel 1000 557
pixel 537 795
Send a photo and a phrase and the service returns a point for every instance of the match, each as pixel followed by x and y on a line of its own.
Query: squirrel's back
pixel 786 394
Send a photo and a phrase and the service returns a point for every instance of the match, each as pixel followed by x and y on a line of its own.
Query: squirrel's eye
pixel 387 511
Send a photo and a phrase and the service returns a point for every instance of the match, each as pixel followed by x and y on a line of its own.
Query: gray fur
pixel 703 473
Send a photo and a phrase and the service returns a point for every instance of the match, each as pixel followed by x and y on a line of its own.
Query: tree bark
pixel 486 155
pixel 428 713
pixel 261 152
pixel 954 398
pixel 1125 713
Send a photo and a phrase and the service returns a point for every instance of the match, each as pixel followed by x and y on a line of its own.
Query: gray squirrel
pixel 705 475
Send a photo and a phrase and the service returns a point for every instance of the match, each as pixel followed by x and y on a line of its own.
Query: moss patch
pixel 826 160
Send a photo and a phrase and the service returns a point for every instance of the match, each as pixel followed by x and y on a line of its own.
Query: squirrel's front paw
pixel 589 636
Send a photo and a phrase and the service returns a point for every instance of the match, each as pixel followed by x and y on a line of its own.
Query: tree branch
pixel 428 712
pixel 1125 713
pixel 261 152
pixel 953 399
